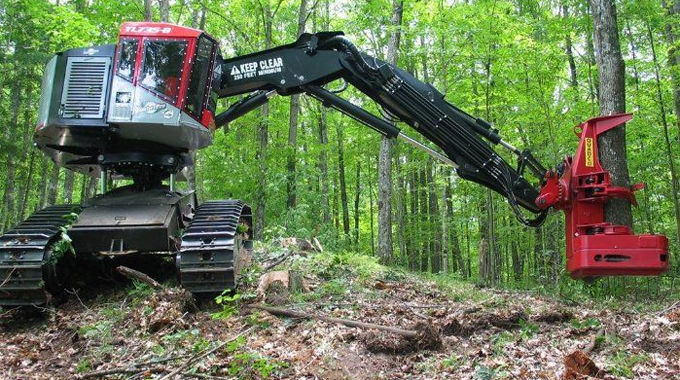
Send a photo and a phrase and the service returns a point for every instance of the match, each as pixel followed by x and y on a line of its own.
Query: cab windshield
pixel 162 67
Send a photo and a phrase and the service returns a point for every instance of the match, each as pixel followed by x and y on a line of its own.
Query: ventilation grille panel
pixel 85 88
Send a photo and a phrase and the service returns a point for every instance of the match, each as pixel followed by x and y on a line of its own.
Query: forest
pixel 532 68
pixel 528 67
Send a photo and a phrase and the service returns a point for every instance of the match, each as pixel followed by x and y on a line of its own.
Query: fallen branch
pixel 200 356
pixel 346 322
pixel 120 370
pixel 139 276
pixel 278 261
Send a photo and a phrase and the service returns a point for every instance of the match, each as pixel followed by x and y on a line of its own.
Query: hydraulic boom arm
pixel 316 59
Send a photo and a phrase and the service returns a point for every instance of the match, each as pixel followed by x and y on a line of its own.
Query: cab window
pixel 199 78
pixel 127 54
pixel 162 68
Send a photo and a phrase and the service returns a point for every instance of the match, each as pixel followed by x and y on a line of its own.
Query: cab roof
pixel 158 29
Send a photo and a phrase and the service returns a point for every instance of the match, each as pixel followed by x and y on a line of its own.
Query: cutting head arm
pixel 314 60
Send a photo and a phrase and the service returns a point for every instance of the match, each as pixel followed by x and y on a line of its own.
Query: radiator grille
pixel 85 88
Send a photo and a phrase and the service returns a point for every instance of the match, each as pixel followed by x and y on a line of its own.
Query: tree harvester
pixel 138 108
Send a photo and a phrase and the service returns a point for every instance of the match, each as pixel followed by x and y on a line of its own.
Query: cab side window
pixel 199 81
pixel 127 55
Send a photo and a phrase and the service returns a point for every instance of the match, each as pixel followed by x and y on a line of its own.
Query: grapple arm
pixel 317 59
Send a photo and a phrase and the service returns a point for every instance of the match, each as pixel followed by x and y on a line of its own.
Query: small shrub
pixel 230 303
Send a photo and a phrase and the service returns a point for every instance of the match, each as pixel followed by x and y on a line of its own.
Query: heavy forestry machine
pixel 136 109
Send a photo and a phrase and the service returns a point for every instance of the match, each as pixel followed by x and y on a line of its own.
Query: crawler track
pixel 208 258
pixel 27 273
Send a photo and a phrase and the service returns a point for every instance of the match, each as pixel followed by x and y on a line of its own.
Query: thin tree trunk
pixel 8 218
pixel 293 122
pixel 263 137
pixel 423 230
pixel 323 140
pixel 370 199
pixel 385 246
pixel 435 246
pixel 612 144
pixel 674 54
pixel 148 10
pixel 357 194
pixel 53 186
pixel 68 186
pixel 636 79
pixel 343 184
pixel 455 244
pixel 27 187
pixel 675 189
pixel 43 182
pixel 414 251
pixel 164 6
pixel 573 78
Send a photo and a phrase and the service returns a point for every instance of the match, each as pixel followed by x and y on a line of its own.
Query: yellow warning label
pixel 590 160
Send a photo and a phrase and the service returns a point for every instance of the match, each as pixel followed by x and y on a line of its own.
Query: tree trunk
pixel 414 251
pixel 27 187
pixel 164 6
pixel 433 209
pixel 568 47
pixel 422 230
pixel 675 189
pixel 384 201
pixel 370 200
pixel 673 11
pixel 8 218
pixel 385 159
pixel 323 140
pixel 148 10
pixel 612 144
pixel 445 230
pixel 343 183
pixel 357 194
pixel 263 138
pixel 458 262
pixel 53 186
pixel 293 122
pixel 636 79
pixel 43 182
pixel 68 186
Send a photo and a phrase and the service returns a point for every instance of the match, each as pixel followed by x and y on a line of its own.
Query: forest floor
pixel 133 332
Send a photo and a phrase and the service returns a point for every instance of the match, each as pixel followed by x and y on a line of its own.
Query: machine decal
pixel 153 107
pixel 256 69
pixel 148 29
pixel 589 152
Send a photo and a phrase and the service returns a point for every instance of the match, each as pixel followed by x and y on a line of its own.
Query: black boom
pixel 317 59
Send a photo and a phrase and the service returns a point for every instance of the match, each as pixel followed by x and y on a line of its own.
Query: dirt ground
pixel 133 332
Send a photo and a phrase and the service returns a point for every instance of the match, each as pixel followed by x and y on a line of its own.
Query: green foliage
pixel 499 341
pixel 64 245
pixel 139 291
pixel 488 373
pixel 250 365
pixel 527 329
pixel 451 363
pixel 588 322
pixel 83 365
pixel 501 60
pixel 622 364
pixel 230 304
